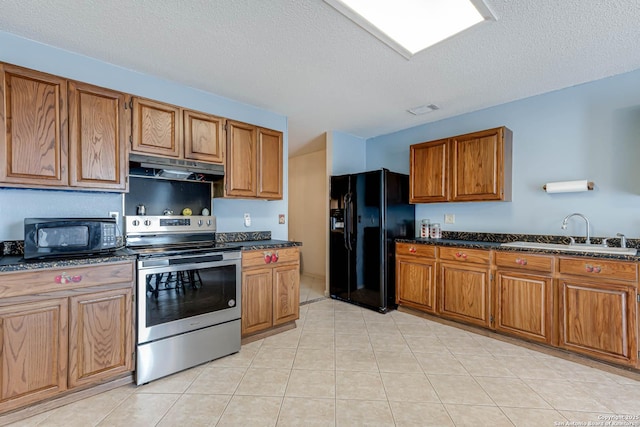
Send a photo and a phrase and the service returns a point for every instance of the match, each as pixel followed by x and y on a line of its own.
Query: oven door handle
pixel 209 258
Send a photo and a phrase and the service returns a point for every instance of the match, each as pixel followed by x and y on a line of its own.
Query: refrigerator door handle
pixel 345 230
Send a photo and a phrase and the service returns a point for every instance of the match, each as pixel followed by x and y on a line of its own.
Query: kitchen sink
pixel 571 248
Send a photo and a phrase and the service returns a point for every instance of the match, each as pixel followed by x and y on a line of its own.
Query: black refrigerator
pixel 368 211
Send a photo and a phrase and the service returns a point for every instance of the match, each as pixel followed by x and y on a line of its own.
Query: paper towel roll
pixel 568 186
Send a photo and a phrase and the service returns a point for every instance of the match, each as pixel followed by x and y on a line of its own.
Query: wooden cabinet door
pixel 203 137
pixel 477 166
pixel 240 171
pixel 257 300
pixel 286 293
pixel 465 293
pixel 100 336
pixel 98 134
pixel 156 128
pixel 523 305
pixel 429 177
pixel 269 166
pixel 33 128
pixel 415 283
pixel 33 352
pixel 599 319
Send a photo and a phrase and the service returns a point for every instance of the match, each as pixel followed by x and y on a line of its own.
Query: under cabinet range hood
pixel 140 164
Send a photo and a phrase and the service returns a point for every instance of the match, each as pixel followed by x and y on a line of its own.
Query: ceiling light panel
pixel 409 26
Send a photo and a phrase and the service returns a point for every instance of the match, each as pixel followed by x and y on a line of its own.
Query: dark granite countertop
pixel 12 260
pixel 10 263
pixel 493 241
pixel 251 245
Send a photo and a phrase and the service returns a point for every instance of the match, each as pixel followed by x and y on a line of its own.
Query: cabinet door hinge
pixel 491 277
pixel 131 139
pixel 131 104
pixel 491 319
pixel 638 297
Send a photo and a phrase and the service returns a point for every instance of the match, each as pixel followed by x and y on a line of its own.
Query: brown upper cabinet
pixel 464 168
pixel 170 131
pixel 34 138
pixel 99 127
pixel 254 162
pixel 43 149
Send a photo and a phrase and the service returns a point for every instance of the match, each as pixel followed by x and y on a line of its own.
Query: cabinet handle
pixel 461 255
pixel 412 250
pixel 592 268
pixel 521 261
pixel 65 278
pixel 270 257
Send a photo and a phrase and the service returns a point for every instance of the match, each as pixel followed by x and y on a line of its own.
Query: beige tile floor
pixel 346 366
pixel 311 288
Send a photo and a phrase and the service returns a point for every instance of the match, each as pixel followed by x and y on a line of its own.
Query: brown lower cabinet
pixel 464 285
pixel 270 289
pixel 523 302
pixel 585 305
pixel 59 341
pixel 416 276
pixel 597 309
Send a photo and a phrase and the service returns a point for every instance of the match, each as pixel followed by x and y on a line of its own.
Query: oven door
pixel 187 293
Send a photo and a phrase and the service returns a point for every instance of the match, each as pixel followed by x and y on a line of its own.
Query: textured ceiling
pixel 302 59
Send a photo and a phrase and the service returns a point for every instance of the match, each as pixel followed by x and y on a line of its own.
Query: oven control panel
pixel 149 224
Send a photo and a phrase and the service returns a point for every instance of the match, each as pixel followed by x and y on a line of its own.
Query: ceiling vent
pixel 423 109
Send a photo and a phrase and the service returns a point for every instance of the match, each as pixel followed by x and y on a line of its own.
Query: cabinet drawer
pixel 473 256
pixel 413 249
pixel 257 258
pixel 59 279
pixel 595 268
pixel 524 261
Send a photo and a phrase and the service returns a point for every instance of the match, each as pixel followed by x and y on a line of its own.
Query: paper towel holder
pixel 568 186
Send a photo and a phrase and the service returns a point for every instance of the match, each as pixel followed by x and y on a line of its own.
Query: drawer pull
pixel 412 250
pixel 65 278
pixel 521 261
pixel 592 268
pixel 461 255
pixel 270 257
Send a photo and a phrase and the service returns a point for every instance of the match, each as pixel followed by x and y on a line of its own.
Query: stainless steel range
pixel 188 293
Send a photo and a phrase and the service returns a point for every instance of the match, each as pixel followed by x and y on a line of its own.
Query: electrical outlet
pixel 247 220
pixel 115 215
pixel 449 218
pixel 281 219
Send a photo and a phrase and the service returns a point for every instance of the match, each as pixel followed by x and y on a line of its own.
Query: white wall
pixel 307 209
pixel 591 131
pixel 18 204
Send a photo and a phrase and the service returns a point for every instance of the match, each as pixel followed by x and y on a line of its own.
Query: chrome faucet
pixel 564 226
pixel 623 240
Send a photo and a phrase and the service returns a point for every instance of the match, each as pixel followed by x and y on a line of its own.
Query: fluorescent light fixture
pixel 423 109
pixel 409 26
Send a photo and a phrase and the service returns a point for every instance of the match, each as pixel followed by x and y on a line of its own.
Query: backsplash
pixel 242 236
pixel 540 238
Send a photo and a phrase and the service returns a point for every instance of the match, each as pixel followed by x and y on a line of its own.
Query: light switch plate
pixel 449 218
pixel 247 220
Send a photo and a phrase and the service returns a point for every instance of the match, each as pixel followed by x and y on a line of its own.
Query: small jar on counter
pixel 424 228
pixel 435 231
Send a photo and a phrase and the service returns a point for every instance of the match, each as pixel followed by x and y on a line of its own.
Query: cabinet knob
pixel 412 250
pixel 461 255
pixel 521 261
pixel 592 268
pixel 66 278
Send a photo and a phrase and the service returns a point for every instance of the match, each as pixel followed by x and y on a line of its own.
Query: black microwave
pixel 63 237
